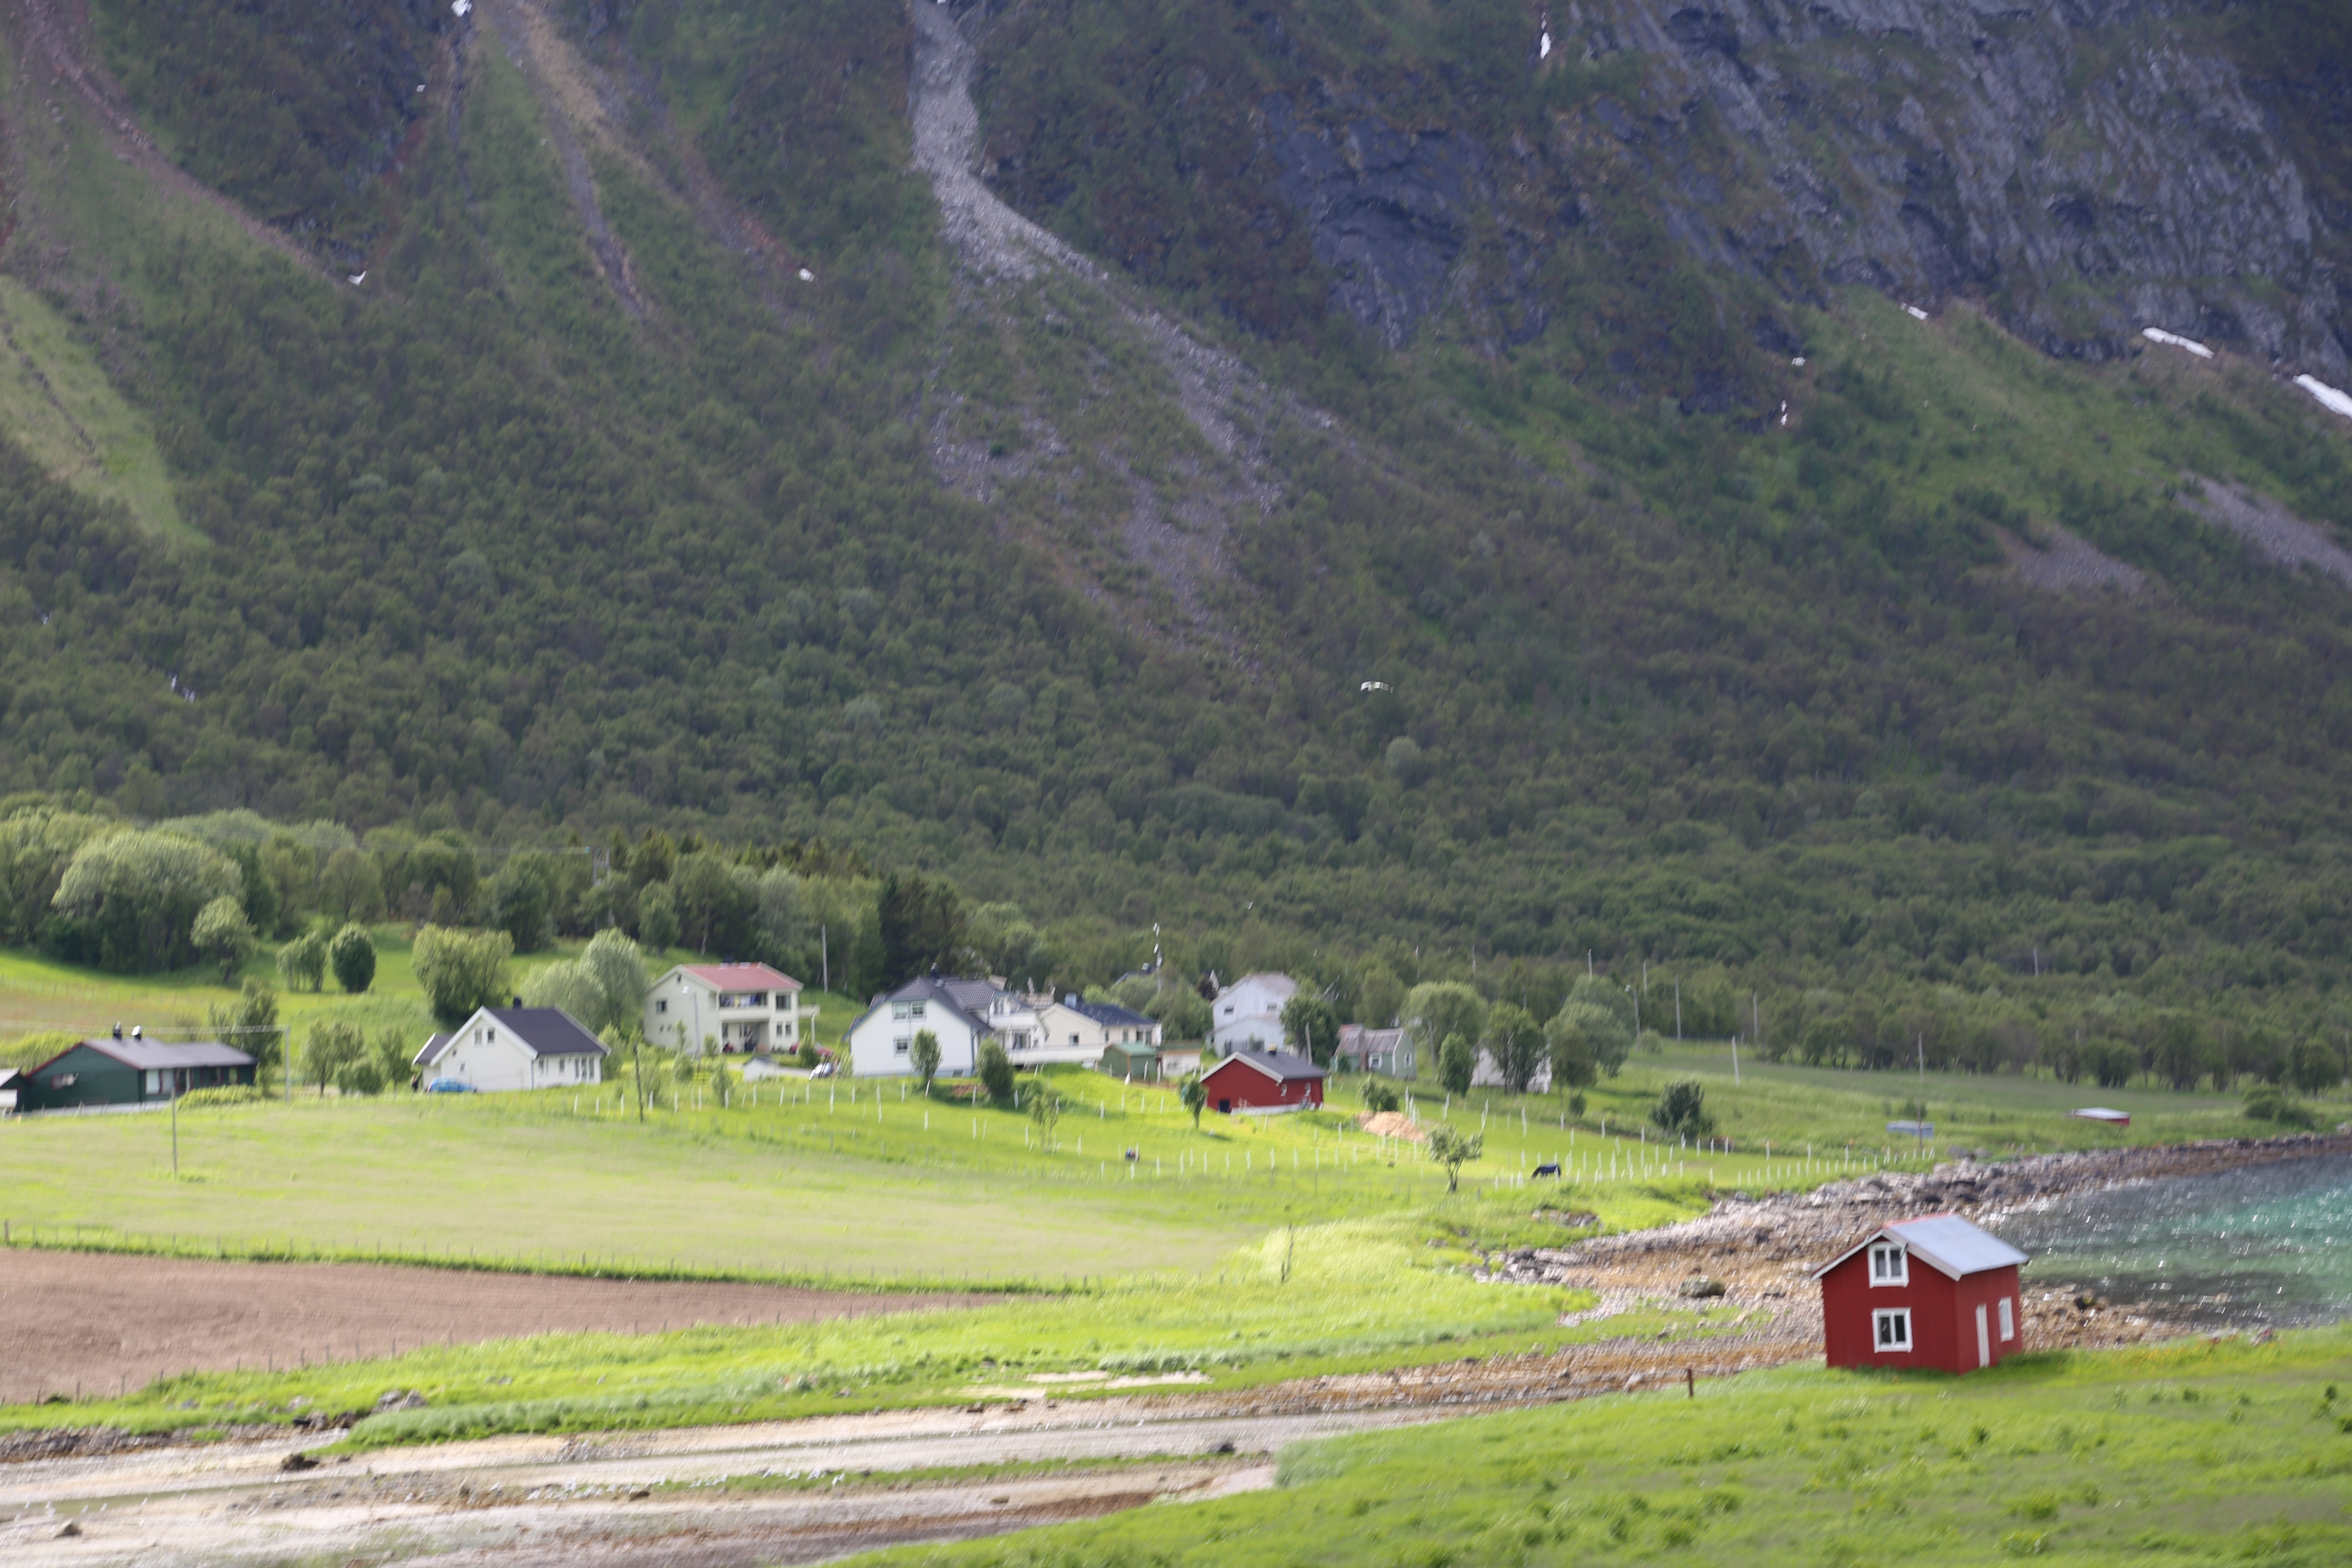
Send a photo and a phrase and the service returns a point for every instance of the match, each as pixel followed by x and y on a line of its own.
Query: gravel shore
pixel 1762 1251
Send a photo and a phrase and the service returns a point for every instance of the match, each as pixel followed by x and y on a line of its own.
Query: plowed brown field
pixel 92 1320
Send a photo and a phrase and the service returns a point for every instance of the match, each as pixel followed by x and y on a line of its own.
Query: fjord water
pixel 2268 1244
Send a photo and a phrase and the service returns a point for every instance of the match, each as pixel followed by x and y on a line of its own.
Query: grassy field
pixel 1344 1297
pixel 2193 1453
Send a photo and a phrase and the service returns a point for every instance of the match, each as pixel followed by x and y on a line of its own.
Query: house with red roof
pixel 726 1009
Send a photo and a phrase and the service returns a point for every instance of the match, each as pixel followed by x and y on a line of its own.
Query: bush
pixel 302 962
pixel 2269 1102
pixel 363 1075
pixel 233 1095
pixel 131 902
pixel 1457 1060
pixel 1683 1109
pixel 1380 1098
pixel 352 955
pixel 995 1071
pixel 329 1048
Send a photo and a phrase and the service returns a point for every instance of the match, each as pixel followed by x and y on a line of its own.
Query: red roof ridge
pixel 720 973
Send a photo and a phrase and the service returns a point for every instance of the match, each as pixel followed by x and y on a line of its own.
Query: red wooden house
pixel 1262 1081
pixel 1935 1291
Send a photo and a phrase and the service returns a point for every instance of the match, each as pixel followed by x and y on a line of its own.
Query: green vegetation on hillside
pixel 496 555
pixel 2195 1453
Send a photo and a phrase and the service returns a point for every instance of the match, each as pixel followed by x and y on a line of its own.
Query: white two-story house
pixel 1247 1014
pixel 733 1008
pixel 881 1042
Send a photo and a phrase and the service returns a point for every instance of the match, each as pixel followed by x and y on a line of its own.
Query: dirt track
pixel 95 1319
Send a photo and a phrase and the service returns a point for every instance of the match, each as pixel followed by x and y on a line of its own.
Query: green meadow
pixel 2188 1453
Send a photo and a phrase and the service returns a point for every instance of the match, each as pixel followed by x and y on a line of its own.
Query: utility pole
pixel 637 1071
pixel 176 1137
pixel 825 960
pixel 1678 1009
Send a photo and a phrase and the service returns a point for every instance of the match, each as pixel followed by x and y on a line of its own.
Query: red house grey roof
pixel 1945 1242
pixel 150 1055
pixel 741 977
pixel 1283 1066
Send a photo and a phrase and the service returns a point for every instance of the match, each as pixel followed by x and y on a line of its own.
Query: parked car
pixel 448 1085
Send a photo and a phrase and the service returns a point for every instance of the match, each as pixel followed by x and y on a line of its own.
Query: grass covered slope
pixel 2190 1453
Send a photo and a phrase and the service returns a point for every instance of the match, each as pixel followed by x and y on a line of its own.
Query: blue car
pixel 448 1085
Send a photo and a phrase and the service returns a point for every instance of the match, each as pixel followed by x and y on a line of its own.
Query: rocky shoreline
pixel 1761 1251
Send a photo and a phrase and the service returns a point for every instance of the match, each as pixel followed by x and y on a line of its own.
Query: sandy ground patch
pixel 99 1320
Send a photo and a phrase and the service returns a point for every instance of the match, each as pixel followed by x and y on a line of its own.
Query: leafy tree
pixel 925 1056
pixel 1181 1013
pixel 224 935
pixel 2313 1068
pixel 250 1023
pixel 781 921
pixel 302 961
pixel 1380 1098
pixel 130 901
pixel 327 1047
pixel 1452 1147
pixel 654 858
pixel 394 1050
pixel 658 925
pixel 617 969
pixel 1516 1041
pixel 2111 1063
pixel 1587 1032
pixel 1379 997
pixel 921 923
pixel 1439 1009
pixel 520 904
pixel 1682 1109
pixel 256 892
pixel 1574 1062
pixel 1457 1063
pixel 2180 1050
pixel 995 1071
pixel 1311 1025
pixel 1044 1113
pixel 352 955
pixel 1195 1095
pixel 1599 991
pixel 571 985
pixel 717 902
pixel 461 971
pixel 2269 1102
pixel 351 887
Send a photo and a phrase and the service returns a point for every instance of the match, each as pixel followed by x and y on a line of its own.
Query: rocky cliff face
pixel 2084 168
pixel 2089 168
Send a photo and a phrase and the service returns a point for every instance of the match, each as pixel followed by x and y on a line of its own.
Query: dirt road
pixel 92 1322
pixel 717 1495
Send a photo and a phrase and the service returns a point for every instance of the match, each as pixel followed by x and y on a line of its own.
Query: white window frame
pixel 1900 1317
pixel 1890 1263
pixel 904 1045
pixel 2007 1320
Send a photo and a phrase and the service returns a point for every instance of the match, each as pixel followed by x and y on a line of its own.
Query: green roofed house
pixel 137 1071
pixel 1134 1062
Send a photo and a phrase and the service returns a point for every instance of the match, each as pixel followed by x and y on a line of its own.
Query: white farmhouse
pixel 501 1048
pixel 745 1007
pixel 881 1042
pixel 1247 1014
pixel 1073 1030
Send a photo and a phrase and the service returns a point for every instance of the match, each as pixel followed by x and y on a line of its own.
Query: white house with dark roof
pixel 501 1048
pixel 729 1008
pixel 1075 1030
pixel 882 1040
pixel 1247 1014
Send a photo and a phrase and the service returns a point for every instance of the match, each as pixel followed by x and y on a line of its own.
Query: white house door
pixel 1984 1341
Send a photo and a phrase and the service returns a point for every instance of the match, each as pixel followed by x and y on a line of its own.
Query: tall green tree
pixel 1457 1063
pixel 460 972
pixel 919 920
pixel 1516 1042
pixel 1311 1025
pixel 352 955
pixel 329 1045
pixel 925 1056
pixel 224 935
pixel 618 971
pixel 1437 1010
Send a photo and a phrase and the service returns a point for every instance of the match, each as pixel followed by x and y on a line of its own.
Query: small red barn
pixel 1263 1080
pixel 1935 1291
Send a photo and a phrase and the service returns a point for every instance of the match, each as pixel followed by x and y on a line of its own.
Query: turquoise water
pixel 2271 1244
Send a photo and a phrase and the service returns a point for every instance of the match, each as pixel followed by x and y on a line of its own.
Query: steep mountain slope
pixel 1374 500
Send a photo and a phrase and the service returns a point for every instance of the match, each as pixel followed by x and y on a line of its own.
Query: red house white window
pixel 1890 1264
pixel 1891 1328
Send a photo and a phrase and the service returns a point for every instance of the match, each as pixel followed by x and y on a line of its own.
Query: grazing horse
pixel 1551 1168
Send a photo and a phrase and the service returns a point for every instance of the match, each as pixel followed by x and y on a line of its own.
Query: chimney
pixel 138 1033
pixel 518 1000
pixel 118 1031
